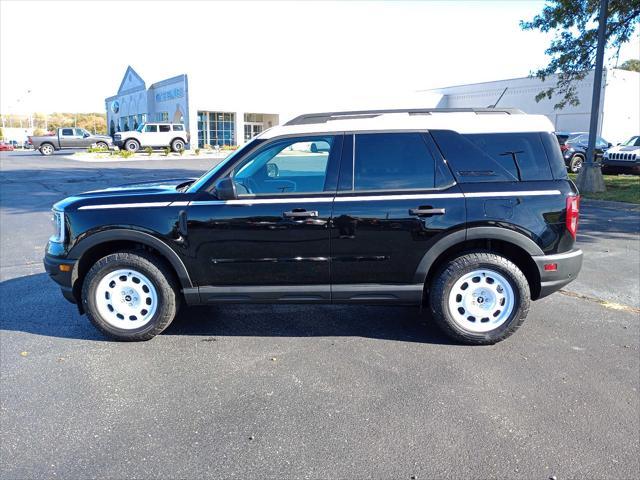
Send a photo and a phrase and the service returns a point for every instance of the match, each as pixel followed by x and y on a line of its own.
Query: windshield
pixel 140 128
pixel 195 186
pixel 632 142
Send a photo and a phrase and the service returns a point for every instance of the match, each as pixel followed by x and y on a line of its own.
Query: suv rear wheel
pixel 177 145
pixel 479 298
pixel 132 145
pixel 130 296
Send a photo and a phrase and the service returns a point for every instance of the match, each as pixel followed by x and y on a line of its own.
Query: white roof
pixel 461 122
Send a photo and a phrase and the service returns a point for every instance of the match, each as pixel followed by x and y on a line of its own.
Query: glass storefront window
pixel 216 128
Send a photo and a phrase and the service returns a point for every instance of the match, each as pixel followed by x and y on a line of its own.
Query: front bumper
pixel 63 278
pixel 118 143
pixel 567 266
pixel 632 164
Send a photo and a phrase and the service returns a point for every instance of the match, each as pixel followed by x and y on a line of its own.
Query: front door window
pixel 288 166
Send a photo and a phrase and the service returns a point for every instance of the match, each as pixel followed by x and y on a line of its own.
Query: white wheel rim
pixel 481 301
pixel 126 299
pixel 47 149
pixel 179 146
pixel 132 147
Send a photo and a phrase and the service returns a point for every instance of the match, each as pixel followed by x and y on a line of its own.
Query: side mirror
pixel 87 135
pixel 272 170
pixel 226 189
pixel 609 145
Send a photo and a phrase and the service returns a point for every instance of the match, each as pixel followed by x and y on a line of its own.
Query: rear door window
pixel 165 128
pixel 392 161
pixel 67 132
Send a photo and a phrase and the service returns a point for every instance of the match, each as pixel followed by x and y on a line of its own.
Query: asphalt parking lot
pixel 310 391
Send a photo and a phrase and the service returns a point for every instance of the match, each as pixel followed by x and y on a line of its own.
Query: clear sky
pixel 72 55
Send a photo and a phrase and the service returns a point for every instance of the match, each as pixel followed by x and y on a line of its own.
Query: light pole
pixel 590 177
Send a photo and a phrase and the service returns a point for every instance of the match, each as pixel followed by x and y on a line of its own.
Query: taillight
pixel 573 212
pixel 564 147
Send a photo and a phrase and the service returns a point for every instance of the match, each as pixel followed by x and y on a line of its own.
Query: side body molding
pixel 135 236
pixel 473 233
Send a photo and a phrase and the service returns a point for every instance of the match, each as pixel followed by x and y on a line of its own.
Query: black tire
pixel 455 269
pixel 102 145
pixel 177 144
pixel 156 270
pixel 576 163
pixel 132 145
pixel 46 149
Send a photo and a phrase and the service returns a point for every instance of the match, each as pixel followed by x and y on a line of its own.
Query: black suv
pixel 574 148
pixel 467 213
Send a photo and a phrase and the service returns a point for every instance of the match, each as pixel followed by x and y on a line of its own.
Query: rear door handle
pixel 300 213
pixel 426 211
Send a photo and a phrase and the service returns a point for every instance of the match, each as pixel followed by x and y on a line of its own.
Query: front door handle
pixel 426 211
pixel 300 213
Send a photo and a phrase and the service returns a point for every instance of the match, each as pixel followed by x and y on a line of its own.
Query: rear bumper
pixel 568 266
pixel 64 279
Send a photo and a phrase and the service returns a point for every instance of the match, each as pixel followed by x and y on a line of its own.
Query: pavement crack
pixel 604 303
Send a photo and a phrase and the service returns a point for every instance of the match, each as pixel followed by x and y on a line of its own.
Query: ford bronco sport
pixel 467 213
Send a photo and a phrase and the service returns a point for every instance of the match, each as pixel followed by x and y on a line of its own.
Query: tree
pixel 573 47
pixel 633 65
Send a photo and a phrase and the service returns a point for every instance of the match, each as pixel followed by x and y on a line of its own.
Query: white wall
pixel 621 106
pixel 16 133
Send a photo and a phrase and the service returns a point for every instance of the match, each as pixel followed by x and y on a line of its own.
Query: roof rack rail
pixel 310 118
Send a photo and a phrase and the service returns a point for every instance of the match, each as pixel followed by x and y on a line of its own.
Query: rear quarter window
pixel 178 128
pixel 495 157
pixel 521 154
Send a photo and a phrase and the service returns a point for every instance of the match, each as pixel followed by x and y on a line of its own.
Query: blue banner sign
pixel 171 94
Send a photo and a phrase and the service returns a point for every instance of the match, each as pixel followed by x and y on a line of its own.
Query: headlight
pixel 57 218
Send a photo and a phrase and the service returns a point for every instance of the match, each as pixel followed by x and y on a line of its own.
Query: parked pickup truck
pixel 69 138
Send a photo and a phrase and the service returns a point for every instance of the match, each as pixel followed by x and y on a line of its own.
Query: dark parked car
pixel 469 215
pixel 623 158
pixel 574 148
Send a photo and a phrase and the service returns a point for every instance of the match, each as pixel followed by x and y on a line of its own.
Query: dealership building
pixel 215 119
pixel 619 101
pixel 210 120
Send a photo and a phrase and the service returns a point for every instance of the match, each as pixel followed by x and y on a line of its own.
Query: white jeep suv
pixel 155 135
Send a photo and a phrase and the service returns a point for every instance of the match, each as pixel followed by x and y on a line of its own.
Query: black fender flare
pixel 473 233
pixel 119 234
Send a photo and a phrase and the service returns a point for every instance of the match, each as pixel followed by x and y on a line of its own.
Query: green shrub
pixel 96 150
pixel 166 151
pixel 181 151
pixel 197 151
pixel 148 150
pixel 125 153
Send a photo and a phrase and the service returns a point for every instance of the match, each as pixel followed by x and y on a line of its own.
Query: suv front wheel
pixel 130 296
pixel 479 298
pixel 132 145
